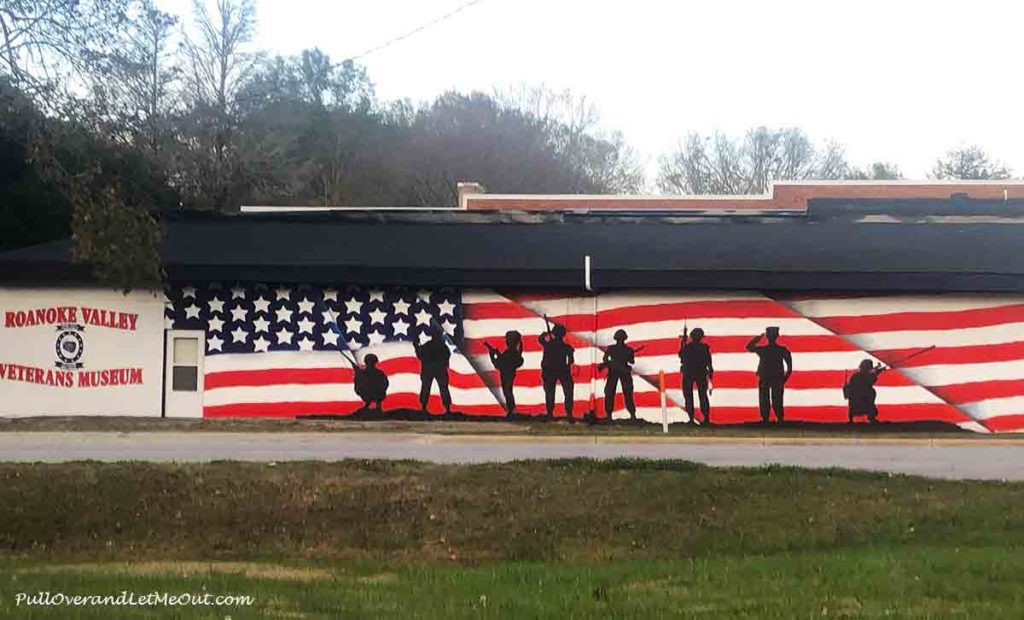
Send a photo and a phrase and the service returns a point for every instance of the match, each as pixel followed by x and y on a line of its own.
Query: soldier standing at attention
pixel 371 383
pixel 507 362
pixel 433 356
pixel 860 391
pixel 618 360
pixel 555 367
pixel 696 370
pixel 774 367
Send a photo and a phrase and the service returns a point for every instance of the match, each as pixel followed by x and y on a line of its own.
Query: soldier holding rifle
pixel 696 371
pixel 556 366
pixel 507 362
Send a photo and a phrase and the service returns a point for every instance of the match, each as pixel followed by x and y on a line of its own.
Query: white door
pixel 183 381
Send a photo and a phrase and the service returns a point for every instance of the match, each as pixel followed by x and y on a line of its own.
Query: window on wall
pixel 185 369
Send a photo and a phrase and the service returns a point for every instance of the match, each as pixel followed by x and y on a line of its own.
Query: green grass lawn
pixel 571 538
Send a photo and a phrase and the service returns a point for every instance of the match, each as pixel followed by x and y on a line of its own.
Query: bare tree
pixel 719 164
pixel 44 44
pixel 969 162
pixel 218 64
pixel 877 171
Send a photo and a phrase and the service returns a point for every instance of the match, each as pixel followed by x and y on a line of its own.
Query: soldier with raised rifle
pixel 696 371
pixel 859 390
pixel 371 383
pixel 556 367
pixel 507 362
pixel 618 361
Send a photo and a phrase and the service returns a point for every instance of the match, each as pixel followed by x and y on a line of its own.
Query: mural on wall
pixel 727 358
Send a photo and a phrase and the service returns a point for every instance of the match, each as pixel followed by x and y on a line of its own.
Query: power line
pixel 462 7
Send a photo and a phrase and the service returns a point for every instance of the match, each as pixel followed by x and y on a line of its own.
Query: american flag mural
pixel 278 350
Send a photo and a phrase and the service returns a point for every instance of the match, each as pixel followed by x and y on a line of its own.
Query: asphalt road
pixel 978 459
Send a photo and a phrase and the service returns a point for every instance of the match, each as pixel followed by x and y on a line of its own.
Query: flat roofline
pixel 782 197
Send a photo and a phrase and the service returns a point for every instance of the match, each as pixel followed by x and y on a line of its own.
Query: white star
pixel 448 327
pixel 375 337
pixel 284 336
pixel 283 293
pixel 326 318
pixel 306 344
pixel 422 317
pixel 238 314
pixel 401 327
pixel 262 305
pixel 447 308
pixel 330 293
pixel 261 325
pixel 188 291
pixel 261 344
pixel 424 337
pixel 237 292
pixel 306 306
pixel 377 295
pixel 214 343
pixel 168 322
pixel 353 326
pixel 239 335
pixel 377 316
pixel 192 312
pixel 402 307
pixel 216 305
pixel 353 306
pixel 330 337
pixel 283 315
pixel 215 324
pixel 423 294
pixel 305 325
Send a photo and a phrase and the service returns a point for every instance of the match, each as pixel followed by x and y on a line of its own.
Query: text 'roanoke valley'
pixel 58 315
pixel 71 378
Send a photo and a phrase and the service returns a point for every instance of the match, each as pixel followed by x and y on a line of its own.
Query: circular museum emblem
pixel 70 346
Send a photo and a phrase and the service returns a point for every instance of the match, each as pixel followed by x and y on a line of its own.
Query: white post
pixel 664 405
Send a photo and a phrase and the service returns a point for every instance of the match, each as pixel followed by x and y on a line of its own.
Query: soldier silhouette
pixel 507 362
pixel 433 356
pixel 696 370
pixel 371 383
pixel 556 367
pixel 860 391
pixel 618 360
pixel 774 367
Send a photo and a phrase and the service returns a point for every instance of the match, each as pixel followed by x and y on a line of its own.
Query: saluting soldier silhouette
pixel 507 362
pixel 433 356
pixel 775 365
pixel 556 367
pixel 696 371
pixel 618 360
pixel 371 383
pixel 860 391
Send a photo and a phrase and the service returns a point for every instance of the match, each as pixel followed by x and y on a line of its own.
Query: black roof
pixel 848 245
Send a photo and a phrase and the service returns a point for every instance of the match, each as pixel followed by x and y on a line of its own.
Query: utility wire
pixel 416 30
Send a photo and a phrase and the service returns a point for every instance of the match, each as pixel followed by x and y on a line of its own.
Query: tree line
pixel 113 112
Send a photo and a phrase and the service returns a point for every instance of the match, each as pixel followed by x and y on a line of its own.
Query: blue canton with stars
pixel 254 318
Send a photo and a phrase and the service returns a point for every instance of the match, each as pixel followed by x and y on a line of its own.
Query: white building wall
pixel 80 351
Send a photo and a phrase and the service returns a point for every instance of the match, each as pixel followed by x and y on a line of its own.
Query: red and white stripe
pixel 294 383
pixel 977 364
pixel 654 320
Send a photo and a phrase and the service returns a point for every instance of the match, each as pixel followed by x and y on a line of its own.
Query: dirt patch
pixel 250 570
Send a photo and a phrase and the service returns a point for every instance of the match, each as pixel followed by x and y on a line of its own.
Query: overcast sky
pixel 895 80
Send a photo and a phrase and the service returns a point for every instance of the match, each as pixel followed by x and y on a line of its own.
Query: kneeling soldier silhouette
pixel 371 383
pixel 860 391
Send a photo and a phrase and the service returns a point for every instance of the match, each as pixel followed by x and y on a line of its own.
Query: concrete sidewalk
pixel 990 459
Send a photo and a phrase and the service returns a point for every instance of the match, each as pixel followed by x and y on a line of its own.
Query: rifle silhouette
pixel 911 356
pixel 617 365
pixel 337 329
